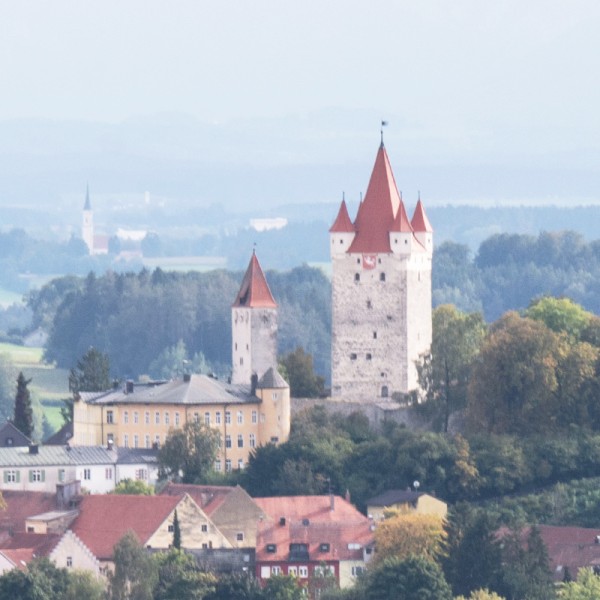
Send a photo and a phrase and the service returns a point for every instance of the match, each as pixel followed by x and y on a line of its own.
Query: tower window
pixel 358 261
pixel 353 356
pixel 341 241
pixel 381 276
pixel 374 335
pixel 405 242
pixel 379 261
pixel 369 356
pixel 356 276
pixel 241 360
pixel 369 304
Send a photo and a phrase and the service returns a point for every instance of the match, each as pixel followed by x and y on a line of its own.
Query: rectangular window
pixel 204 528
pixel 228 466
pixel 227 417
pixel 239 536
pixel 276 570
pixel 240 463
pixel 240 440
pixel 240 417
pixel 303 571
pixel 218 466
pixel 357 571
pixel 252 441
pixel 196 418
pixel 11 476
pixel 157 440
pixel 136 440
pixel 126 441
pixel 69 561
pixel 136 418
pixel 141 474
pixel 110 416
pixel 218 417
pixel 254 417
pixel 293 571
pixel 147 418
pixel 126 417
pixel 61 475
pixel 176 419
pixel 265 572
pixel 207 418
pixel 87 474
pixel 227 441
pixel 171 528
pixel 108 473
pixel 147 440
pixel 166 418
pixel 157 418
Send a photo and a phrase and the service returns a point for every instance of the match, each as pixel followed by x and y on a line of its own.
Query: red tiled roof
pixel 342 223
pixel 41 544
pixel 420 222
pixel 254 291
pixel 376 214
pixel 20 558
pixel 20 505
pixel 104 519
pixel 310 520
pixel 401 222
pixel 207 497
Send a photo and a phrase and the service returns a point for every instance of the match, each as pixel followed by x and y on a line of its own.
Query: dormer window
pixel 271 548
pixel 324 547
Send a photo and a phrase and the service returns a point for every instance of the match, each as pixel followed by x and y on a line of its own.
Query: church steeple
pixel 87 226
pixel 88 204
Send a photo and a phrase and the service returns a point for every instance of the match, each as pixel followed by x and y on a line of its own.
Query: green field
pixel 7 298
pixel 48 383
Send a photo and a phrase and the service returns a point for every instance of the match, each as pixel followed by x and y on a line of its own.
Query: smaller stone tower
pixel 87 227
pixel 253 327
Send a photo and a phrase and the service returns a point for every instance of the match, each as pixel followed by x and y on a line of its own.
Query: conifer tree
pixel 23 417
pixel 176 532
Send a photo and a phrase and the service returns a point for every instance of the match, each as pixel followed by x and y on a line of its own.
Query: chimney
pixel 186 377
pixel 129 386
pixel 331 502
pixel 253 384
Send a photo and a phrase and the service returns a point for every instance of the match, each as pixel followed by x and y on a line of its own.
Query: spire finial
pixel 254 248
pixel 343 196
pixel 383 124
pixel 419 195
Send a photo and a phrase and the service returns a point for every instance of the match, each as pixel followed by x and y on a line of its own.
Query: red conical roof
pixel 254 291
pixel 420 222
pixel 342 223
pixel 401 222
pixel 376 214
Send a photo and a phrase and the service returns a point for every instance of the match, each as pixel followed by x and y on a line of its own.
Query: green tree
pixel 413 578
pixel 513 383
pixel 83 584
pixel 179 577
pixel 304 382
pixel 23 417
pixel 562 315
pixel 133 486
pixel 189 454
pixel 176 532
pixel 321 581
pixel 236 586
pixel 456 340
pixel 7 375
pixel 92 373
pixel 483 594
pixel 283 587
pixel 135 573
pixel 42 580
pixel 587 587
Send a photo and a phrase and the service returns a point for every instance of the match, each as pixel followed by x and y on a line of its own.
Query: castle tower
pixel 253 326
pixel 381 292
pixel 87 227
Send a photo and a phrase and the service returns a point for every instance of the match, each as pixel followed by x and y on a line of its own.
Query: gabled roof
pixel 19 558
pixel 62 436
pixel 104 519
pixel 41 544
pixel 394 497
pixel 207 497
pixel 342 223
pixel 56 455
pixel 376 214
pixel 254 291
pixel 420 222
pixel 314 508
pixel 11 436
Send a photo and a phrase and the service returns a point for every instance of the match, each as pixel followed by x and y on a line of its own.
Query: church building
pixel 381 292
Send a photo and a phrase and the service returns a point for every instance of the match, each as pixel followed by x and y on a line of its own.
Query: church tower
pixel 381 292
pixel 87 227
pixel 253 327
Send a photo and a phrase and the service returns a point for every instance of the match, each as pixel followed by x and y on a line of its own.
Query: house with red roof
pixel 381 292
pixel 305 536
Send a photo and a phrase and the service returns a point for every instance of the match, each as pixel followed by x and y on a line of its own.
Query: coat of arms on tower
pixel 369 261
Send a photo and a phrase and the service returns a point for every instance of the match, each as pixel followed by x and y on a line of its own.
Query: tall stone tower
pixel 87 227
pixel 381 291
pixel 253 327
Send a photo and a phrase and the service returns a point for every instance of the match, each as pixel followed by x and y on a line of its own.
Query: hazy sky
pixel 469 78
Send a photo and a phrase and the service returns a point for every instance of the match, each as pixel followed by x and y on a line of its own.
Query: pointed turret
pixel 422 227
pixel 377 212
pixel 401 233
pixel 87 226
pixel 254 291
pixel 341 233
pixel 253 326
pixel 88 204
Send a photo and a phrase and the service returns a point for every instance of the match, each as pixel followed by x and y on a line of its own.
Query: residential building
pixel 305 535
pixel 99 469
pixel 381 292
pixel 407 501
pixel 10 436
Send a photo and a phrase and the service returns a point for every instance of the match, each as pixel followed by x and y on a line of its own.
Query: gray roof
pixel 272 380
pixel 135 456
pixel 200 389
pixel 394 497
pixel 11 436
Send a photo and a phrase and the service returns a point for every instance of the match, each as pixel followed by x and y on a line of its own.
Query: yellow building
pixel 408 501
pixel 142 415
pixel 252 410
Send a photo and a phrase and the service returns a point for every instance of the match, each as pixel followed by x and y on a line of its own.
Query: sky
pixel 464 81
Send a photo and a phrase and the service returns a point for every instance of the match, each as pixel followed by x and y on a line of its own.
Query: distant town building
pixel 381 292
pixel 97 244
